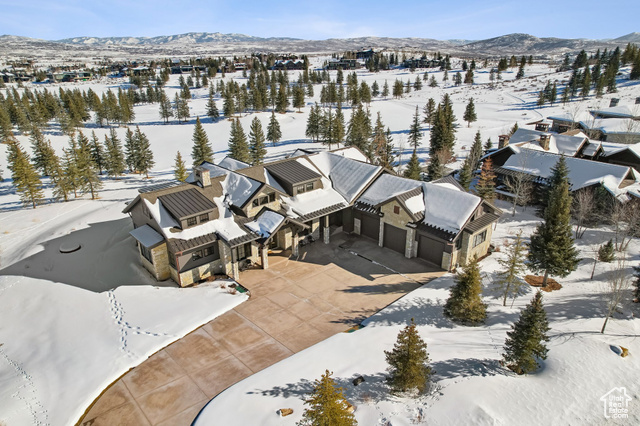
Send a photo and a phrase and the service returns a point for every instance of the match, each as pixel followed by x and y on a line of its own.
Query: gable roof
pixel 291 172
pixel 558 143
pixel 232 164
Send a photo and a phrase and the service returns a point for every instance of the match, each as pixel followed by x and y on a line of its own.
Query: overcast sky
pixel 320 19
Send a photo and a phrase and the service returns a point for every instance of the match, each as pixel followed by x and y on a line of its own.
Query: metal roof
pixel 186 203
pixel 292 172
pixel 482 222
pixel 147 236
pixel 177 245
pixel 159 186
pixel 322 212
pixel 450 180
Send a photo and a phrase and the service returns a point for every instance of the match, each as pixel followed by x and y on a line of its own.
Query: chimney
pixel 503 140
pixel 545 138
pixel 202 176
pixel 614 102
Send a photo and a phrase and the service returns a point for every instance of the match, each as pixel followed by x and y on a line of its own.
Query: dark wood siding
pixel 430 250
pixel 370 226
pixel 394 238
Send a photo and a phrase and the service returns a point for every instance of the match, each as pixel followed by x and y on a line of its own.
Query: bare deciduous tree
pixel 582 209
pixel 520 184
pixel 625 218
pixel 618 283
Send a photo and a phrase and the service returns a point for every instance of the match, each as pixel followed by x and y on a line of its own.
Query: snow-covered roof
pixel 446 207
pixel 146 235
pixel 582 173
pixel 312 201
pixel 239 188
pixel 266 223
pixel 348 177
pixel 620 111
pixel 613 125
pixel 214 171
pixel 232 164
pixel 386 187
pixel 352 153
pixel 558 144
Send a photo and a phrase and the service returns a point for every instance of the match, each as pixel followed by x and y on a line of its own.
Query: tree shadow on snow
pixel 107 258
pixel 465 367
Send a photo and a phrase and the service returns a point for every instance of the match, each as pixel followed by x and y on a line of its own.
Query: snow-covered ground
pixel 72 323
pixel 469 385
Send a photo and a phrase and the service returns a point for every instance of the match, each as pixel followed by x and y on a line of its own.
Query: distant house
pixel 616 124
pixel 344 64
pixel 228 215
pixel 289 64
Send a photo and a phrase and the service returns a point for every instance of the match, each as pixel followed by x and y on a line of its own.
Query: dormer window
pixel 204 218
pixel 301 189
pixel 192 221
pixel 264 199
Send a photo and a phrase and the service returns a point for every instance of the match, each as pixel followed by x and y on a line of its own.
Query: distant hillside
pixel 201 43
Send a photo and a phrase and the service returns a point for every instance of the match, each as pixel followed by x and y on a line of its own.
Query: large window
pixel 209 251
pixel 204 217
pixel 264 199
pixel 196 255
pixel 192 221
pixel 480 238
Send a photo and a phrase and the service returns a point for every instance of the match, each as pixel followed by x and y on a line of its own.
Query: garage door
pixel 430 250
pixel 370 226
pixel 394 238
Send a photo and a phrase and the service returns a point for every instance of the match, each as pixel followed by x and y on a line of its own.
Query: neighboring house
pixel 622 182
pixel 226 216
pixel 345 64
pixel 618 124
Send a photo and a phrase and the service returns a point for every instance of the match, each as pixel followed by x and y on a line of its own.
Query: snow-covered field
pixel 73 323
pixel 469 385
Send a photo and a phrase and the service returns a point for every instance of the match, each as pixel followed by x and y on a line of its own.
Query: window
pixel 196 255
pixel 204 217
pixel 459 243
pixel 264 199
pixel 272 197
pixel 480 238
pixel 209 251
pixel 255 203
pixel 396 209
pixel 300 189
pixel 192 221
pixel 146 253
pixel 309 186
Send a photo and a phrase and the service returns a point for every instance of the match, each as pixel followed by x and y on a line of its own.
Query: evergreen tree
pixel 468 77
pixel 414 131
pixel 470 113
pixel 61 185
pixel 486 186
pixel 525 343
pixel 97 152
pixel 298 97
pixel 464 304
pixel 417 85
pixel 435 169
pixel 274 134
pixel 179 168
pixel 314 123
pixel 385 89
pixel 408 362
pixel 442 137
pixel 282 102
pixel 131 151
pixel 145 155
pixel 552 246
pixel 457 79
pixel 182 108
pixel 433 82
pixel 212 109
pixel 476 152
pixel 606 252
pixel 43 152
pixel 238 147
pixel 88 179
pixel 228 106
pixel 465 175
pixel 509 282
pixel 488 145
pixel 413 167
pixel 327 405
pixel 256 142
pixel 201 150
pixel 359 130
pixel 429 111
pixel 115 161
pixel 24 175
pixel 166 111
pixel 382 147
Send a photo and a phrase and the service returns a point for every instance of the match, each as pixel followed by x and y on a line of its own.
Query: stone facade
pixel 399 220
pixel 200 273
pixel 467 252
pixel 159 268
pixel 356 225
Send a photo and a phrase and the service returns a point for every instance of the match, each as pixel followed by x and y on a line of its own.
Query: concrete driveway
pixel 294 304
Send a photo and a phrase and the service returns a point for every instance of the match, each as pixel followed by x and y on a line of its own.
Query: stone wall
pixel 159 268
pixel 399 220
pixel 200 273
pixel 467 252
pixel 252 211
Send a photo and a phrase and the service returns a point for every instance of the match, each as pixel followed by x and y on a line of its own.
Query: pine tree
pixel 327 405
pixel 429 111
pixel 274 134
pixel 385 89
pixel 97 152
pixel 180 169
pixel 408 362
pixel 201 150
pixel 314 123
pixel 525 343
pixel 606 252
pixel 486 186
pixel 470 113
pixel 465 175
pixel 464 304
pixel 182 108
pixel 552 246
pixel 382 147
pixel 256 142
pixel 282 102
pixel 442 137
pixel 413 167
pixel 359 130
pixel 145 155
pixel 509 282
pixel 298 97
pixel 414 131
pixel 166 111
pixel 43 152
pixel 115 161
pixel 24 175
pixel 476 152
pixel 488 145
pixel 435 169
pixel 61 185
pixel 238 147
pixel 88 179
pixel 131 150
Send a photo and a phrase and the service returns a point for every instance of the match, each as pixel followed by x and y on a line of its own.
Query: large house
pixel 228 215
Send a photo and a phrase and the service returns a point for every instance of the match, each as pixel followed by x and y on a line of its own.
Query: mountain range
pixel 202 43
